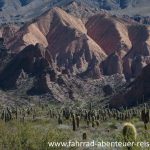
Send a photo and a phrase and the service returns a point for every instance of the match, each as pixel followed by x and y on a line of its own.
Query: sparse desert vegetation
pixel 32 127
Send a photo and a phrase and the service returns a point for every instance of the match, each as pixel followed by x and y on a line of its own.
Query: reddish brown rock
pixel 109 32
pixel 112 64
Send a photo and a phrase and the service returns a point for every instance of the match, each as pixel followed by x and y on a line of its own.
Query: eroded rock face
pixel 135 92
pixel 109 32
pixel 112 64
pixel 126 43
pixel 138 56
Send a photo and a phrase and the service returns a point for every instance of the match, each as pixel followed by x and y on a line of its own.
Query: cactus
pixel 78 121
pixel 15 112
pixel 89 115
pixel 145 116
pixel 129 133
pixel 93 121
pixel 93 118
pixel 34 114
pixel 97 123
pixel 86 116
pixel 6 115
pixel 50 113
pixel 88 123
pixel 66 114
pixel 28 111
pixel 90 106
pixel 59 119
pixel 23 116
pixel 73 122
pixel 93 124
pixel 84 136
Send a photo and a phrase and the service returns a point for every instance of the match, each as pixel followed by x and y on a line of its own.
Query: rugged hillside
pixel 58 53
pixel 137 92
pixel 83 47
pixel 32 72
pixel 126 43
pixel 64 36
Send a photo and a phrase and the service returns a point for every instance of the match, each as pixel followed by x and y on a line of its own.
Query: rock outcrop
pixel 112 64
pixel 31 61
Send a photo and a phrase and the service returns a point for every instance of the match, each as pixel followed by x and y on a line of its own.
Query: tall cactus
pixel 84 136
pixel 73 122
pixel 59 119
pixel 93 121
pixel 145 116
pixel 78 121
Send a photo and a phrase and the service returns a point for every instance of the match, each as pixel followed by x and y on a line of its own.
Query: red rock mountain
pixel 127 44
pixel 109 32
pixel 81 48
pixel 64 36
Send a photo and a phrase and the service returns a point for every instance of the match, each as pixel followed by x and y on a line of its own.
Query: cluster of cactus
pixel 6 114
pixel 51 113
pixel 94 117
pixel 66 113
pixel 91 116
